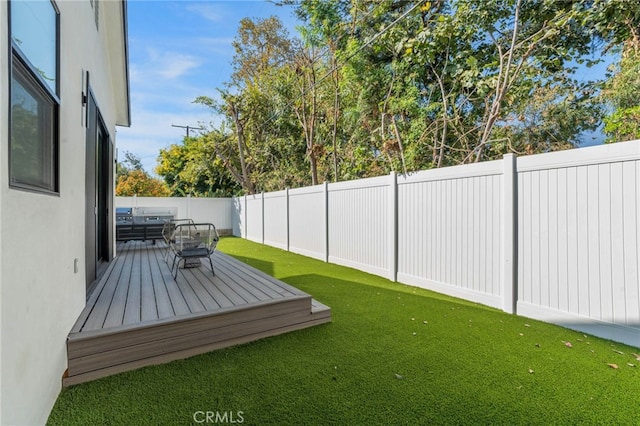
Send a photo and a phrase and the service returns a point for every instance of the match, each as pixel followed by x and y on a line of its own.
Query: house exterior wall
pixel 42 237
pixel 4 137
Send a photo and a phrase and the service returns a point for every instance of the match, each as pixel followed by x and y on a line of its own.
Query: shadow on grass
pixel 314 282
pixel 264 266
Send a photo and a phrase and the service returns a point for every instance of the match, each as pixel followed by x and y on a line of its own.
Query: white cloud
pixel 207 11
pixel 151 131
pixel 170 65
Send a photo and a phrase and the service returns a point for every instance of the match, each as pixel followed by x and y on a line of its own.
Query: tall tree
pixel 255 105
pixel 375 86
pixel 619 23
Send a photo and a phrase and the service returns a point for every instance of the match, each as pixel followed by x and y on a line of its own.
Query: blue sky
pixel 179 50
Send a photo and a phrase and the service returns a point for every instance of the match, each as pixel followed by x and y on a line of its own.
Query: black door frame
pixel 98 190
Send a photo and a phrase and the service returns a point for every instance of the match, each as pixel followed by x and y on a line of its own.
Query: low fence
pixel 552 236
pixel 218 211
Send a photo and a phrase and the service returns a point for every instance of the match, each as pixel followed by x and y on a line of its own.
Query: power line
pixel 337 66
pixel 188 128
pixel 361 48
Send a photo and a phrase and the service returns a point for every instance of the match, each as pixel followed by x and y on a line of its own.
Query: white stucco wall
pixel 42 235
pixel 4 135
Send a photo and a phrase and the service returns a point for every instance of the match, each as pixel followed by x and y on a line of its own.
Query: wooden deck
pixel 139 315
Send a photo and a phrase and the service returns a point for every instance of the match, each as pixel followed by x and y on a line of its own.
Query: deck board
pixel 164 306
pixel 139 315
pixel 148 302
pixel 133 304
pixel 176 298
pixel 264 292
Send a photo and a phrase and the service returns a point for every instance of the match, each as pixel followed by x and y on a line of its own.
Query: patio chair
pixel 167 233
pixel 193 241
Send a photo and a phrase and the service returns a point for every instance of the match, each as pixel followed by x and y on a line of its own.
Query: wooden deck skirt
pixel 138 315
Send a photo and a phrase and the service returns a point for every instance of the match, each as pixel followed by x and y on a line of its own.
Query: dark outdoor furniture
pixel 142 223
pixel 192 241
pixel 168 229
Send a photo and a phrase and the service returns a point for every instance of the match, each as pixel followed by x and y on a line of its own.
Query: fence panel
pixel 275 219
pixel 254 215
pixel 578 237
pixel 212 210
pixel 358 224
pixel 449 231
pixel 237 217
pixel 307 221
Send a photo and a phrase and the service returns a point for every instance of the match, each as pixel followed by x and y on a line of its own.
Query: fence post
pixel 286 196
pixel 326 221
pixel 262 215
pixel 189 206
pixel 510 235
pixel 393 226
pixel 244 226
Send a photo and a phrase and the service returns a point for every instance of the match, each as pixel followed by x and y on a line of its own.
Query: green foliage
pixel 138 182
pixel 375 86
pixel 192 168
pixel 623 125
pixel 621 93
pixel 130 163
pixel 132 179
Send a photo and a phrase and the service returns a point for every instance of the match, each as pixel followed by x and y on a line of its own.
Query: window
pixel 34 103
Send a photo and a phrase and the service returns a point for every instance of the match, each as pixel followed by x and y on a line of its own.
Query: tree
pixel 130 162
pixel 305 104
pixel 138 182
pixel 457 75
pixel 132 179
pixel 256 143
pixel 619 22
pixel 375 86
pixel 193 168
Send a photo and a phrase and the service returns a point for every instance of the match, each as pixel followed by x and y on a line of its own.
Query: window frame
pixel 21 69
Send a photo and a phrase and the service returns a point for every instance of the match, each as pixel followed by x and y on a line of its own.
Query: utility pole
pixel 188 128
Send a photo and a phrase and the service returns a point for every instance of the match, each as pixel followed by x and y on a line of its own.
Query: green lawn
pixel 393 355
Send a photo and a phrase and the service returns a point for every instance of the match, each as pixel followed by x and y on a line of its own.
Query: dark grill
pixel 142 223
pixel 124 216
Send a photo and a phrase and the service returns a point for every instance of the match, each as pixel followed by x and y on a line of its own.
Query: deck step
pixel 239 304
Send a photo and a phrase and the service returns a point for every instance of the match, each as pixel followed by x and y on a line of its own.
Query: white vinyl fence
pixel 219 211
pixel 578 239
pixel 552 236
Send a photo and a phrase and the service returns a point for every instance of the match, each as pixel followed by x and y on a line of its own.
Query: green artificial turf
pixel 393 355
